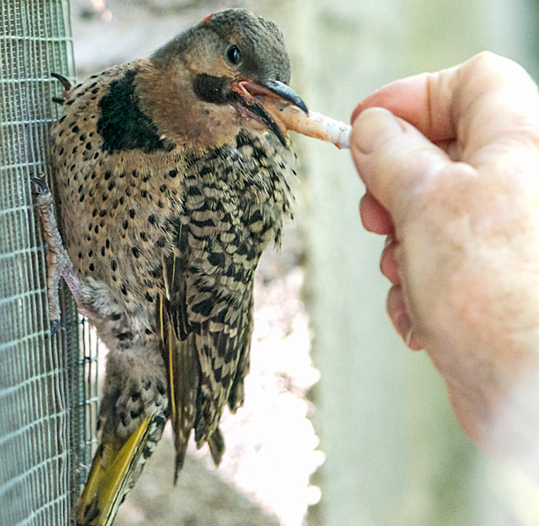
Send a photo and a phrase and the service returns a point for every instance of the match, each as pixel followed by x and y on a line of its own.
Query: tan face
pixel 190 85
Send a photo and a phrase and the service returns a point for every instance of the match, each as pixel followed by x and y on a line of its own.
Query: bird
pixel 173 177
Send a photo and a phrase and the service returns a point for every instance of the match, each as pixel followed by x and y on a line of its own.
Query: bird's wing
pixel 114 470
pixel 204 325
pixel 180 356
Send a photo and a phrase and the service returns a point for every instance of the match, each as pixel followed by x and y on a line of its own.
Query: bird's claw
pixel 67 88
pixel 65 83
pixel 43 187
pixel 55 327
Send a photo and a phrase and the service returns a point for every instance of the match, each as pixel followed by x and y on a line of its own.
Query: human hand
pixel 452 177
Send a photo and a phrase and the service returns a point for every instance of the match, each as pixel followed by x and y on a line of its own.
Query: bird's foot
pixel 58 262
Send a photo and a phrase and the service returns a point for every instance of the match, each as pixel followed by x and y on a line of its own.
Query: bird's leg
pixel 59 263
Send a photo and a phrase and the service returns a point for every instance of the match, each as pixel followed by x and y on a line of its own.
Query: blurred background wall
pixel 394 452
pixel 390 449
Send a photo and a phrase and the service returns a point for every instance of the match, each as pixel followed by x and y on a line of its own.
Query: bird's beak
pixel 282 91
pixel 266 100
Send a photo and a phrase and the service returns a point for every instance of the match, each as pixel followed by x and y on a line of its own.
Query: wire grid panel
pixel 44 391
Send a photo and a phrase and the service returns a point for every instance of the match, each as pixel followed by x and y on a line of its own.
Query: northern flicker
pixel 172 177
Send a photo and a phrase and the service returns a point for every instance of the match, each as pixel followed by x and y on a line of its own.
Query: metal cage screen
pixel 47 384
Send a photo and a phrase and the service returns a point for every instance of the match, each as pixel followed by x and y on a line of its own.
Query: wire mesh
pixel 47 384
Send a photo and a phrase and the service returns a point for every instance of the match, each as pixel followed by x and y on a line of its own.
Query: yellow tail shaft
pixel 113 473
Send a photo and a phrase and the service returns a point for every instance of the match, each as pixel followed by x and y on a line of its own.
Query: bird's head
pixel 208 83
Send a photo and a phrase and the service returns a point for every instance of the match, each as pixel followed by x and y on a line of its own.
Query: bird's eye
pixel 233 55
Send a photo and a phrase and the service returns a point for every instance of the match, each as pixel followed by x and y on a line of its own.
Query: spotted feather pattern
pixel 168 249
pixel 172 183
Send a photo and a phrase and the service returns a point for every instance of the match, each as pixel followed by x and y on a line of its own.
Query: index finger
pixel 420 100
pixel 485 99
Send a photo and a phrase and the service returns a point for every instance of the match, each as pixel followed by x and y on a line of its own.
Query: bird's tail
pixel 115 469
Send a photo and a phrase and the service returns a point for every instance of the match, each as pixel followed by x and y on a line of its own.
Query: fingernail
pixel 409 337
pixel 373 127
pixel 404 326
pixel 390 238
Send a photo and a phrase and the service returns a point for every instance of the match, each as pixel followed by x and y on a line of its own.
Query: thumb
pixel 393 158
